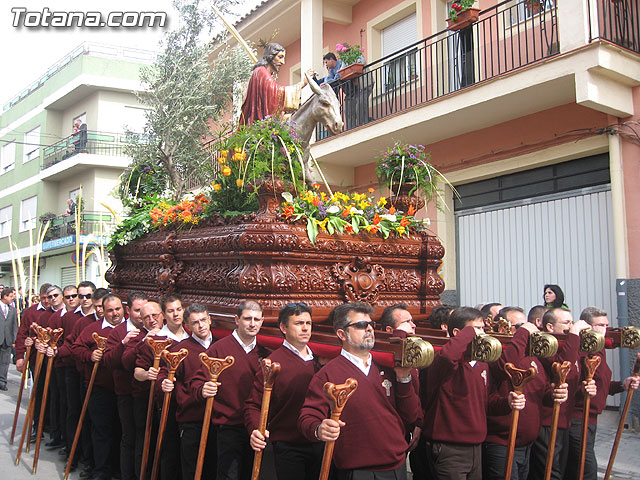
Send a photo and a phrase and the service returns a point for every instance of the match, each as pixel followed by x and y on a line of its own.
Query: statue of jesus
pixel 264 96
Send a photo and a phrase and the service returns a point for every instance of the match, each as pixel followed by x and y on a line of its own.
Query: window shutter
pixel 399 35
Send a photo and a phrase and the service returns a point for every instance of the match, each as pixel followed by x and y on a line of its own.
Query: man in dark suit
pixel 8 330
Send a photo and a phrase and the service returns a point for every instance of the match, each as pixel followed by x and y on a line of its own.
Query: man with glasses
pixel 375 416
pixel 189 409
pixel 102 407
pixel 122 379
pixel 295 457
pixel 235 456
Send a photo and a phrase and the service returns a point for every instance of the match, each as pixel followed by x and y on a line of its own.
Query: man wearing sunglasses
pixel 375 416
pixel 295 457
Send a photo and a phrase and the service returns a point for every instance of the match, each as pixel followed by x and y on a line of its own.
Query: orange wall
pixel 631 169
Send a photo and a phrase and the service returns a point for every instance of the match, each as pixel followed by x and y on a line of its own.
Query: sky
pixel 29 51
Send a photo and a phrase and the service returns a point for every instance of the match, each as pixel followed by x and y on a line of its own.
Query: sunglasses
pixel 53 295
pixel 362 325
pixel 69 297
pixel 83 296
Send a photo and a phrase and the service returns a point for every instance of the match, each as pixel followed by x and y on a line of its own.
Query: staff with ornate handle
pixel 519 378
pixel 560 372
pixel 338 396
pixel 591 364
pixel 42 340
pixel 173 360
pixel 270 371
pixel 215 366
pixel 625 411
pixel 157 346
pixel 42 336
pixel 23 380
pixel 54 338
pixel 101 343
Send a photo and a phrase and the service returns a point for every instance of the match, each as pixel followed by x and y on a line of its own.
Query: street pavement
pixel 51 466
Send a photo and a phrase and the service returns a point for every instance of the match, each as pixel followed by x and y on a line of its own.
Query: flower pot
pixel 402 200
pixel 465 19
pixel 351 71
pixel 533 6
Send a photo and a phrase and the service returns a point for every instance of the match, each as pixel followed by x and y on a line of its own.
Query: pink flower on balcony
pixel 340 47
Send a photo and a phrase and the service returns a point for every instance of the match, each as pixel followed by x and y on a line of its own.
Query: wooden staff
pixel 519 378
pixel 157 346
pixel 173 360
pixel 101 343
pixel 338 396
pixel 560 372
pixel 25 368
pixel 591 364
pixel 54 338
pixel 215 366
pixel 42 336
pixel 625 411
pixel 270 371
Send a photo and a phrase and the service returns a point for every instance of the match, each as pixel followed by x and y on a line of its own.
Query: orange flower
pixel 288 211
pixel 226 171
pixel 346 212
pixel 373 229
pixel 348 228
pixel 392 210
pixel 315 201
pixel 222 160
pixel 411 211
pixel 316 186
pixel 239 182
pixel 376 219
pixel 216 187
pixel 404 222
pixel 371 190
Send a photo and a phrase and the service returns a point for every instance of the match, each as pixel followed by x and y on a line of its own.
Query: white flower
pixel 426 221
pixel 388 216
pixel 355 210
pixel 333 209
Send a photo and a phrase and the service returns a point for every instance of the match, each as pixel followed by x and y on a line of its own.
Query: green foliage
pixel 137 224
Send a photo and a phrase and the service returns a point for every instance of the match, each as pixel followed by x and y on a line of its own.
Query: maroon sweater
pixel 457 411
pixel 374 421
pixel 31 315
pixel 604 385
pixel 112 359
pixel 130 361
pixel 287 397
pixel 80 324
pixel 236 381
pixel 82 349
pixel 55 321
pixel 67 322
pixel 568 351
pixel 190 409
pixel 536 392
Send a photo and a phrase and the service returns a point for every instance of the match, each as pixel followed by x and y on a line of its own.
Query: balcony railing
pixel 91 223
pixel 96 143
pixel 508 36
pixel 618 21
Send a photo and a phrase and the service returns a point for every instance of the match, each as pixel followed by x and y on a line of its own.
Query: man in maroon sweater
pixel 455 420
pixel 38 314
pixel 537 392
pixel 559 320
pixel 102 407
pixel 190 410
pixel 122 378
pixel 374 418
pixel 235 456
pixel 295 457
pixel 598 320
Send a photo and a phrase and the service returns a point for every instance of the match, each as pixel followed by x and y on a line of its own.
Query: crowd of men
pixel 453 417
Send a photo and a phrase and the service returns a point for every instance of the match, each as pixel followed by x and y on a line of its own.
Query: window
pixel 8 157
pixel 135 119
pixel 31 145
pixel 5 221
pixel 395 38
pixel 28 209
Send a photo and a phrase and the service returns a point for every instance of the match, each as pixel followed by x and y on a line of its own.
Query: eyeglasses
pixel 83 296
pixel 362 325
pixel 53 295
pixel 156 316
pixel 69 297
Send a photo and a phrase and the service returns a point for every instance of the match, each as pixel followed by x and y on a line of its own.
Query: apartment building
pixel 43 163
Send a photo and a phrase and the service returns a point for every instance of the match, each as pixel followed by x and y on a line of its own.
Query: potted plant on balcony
pixel 353 57
pixel 462 14
pixel 406 171
pixel 534 6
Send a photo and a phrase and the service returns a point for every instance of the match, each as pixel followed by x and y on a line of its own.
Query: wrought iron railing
pixel 507 36
pixel 97 143
pixel 618 21
pixel 91 223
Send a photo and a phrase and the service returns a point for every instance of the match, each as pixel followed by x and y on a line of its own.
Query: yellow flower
pixel 226 171
pixel 237 150
pixel 224 153
pixel 239 182
pixel 323 223
pixel 216 186
pixel 400 230
pixel 382 202
pixel 222 160
pixel 363 204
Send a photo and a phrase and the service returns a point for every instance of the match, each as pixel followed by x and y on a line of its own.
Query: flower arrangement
pixel 47 217
pixel 267 148
pixel 348 213
pixel 182 213
pixel 459 6
pixel 350 53
pixel 409 164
